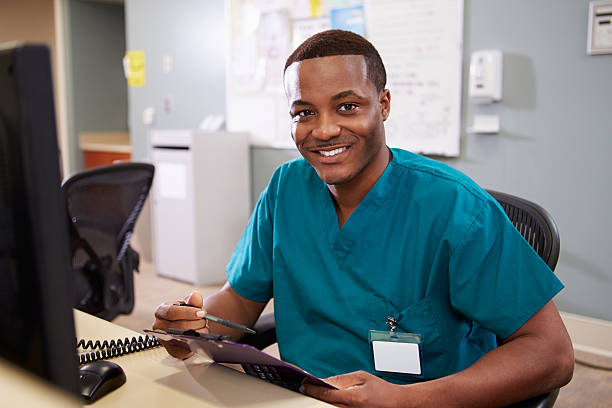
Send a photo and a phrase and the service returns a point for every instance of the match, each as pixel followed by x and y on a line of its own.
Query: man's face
pixel 337 115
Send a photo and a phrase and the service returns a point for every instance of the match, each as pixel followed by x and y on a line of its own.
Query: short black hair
pixel 339 42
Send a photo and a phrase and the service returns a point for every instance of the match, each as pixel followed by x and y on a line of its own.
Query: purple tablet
pixel 254 361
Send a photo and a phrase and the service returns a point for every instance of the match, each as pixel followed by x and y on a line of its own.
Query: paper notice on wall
pixel 171 180
pixel 274 41
pixel 420 42
pixel 134 68
pixel 303 29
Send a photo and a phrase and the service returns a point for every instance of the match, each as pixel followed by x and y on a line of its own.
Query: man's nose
pixel 326 128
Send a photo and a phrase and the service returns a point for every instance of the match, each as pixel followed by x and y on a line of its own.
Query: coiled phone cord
pixel 114 348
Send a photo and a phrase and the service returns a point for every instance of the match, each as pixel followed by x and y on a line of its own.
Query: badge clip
pixel 396 352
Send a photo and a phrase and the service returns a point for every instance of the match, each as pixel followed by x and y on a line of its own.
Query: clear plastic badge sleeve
pixel 396 352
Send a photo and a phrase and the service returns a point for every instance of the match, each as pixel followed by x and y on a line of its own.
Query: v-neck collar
pixel 341 240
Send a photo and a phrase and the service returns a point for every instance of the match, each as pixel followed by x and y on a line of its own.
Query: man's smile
pixel 334 155
pixel 330 153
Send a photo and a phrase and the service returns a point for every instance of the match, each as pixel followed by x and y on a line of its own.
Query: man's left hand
pixel 357 389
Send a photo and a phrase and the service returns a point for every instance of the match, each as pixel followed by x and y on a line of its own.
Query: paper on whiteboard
pixel 420 43
pixel 274 41
pixel 171 180
pixel 303 29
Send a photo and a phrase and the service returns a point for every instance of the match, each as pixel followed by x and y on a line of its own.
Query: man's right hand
pixel 170 314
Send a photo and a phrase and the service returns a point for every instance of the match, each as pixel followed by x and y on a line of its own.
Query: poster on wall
pixel 420 42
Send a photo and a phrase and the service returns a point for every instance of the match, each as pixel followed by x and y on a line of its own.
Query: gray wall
pixel 556 136
pixel 97 95
pixel 192 33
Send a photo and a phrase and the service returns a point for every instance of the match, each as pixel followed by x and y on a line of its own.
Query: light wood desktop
pixel 154 379
pixel 20 388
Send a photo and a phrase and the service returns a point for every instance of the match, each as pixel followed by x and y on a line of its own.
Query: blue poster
pixel 349 19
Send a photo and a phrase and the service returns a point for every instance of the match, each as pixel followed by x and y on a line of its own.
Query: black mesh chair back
pixel 534 223
pixel 103 205
pixel 537 226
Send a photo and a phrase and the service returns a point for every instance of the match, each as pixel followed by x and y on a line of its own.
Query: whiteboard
pixel 420 42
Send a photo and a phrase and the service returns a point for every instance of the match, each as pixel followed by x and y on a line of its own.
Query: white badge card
pixel 396 352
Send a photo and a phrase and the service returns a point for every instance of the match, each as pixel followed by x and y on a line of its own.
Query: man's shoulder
pixel 433 173
pixel 297 165
pixel 291 175
pixel 297 168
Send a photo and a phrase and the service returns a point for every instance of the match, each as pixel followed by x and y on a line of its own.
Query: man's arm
pixel 228 304
pixel 225 303
pixel 535 359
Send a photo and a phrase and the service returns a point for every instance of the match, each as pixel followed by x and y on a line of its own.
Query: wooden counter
pixel 104 148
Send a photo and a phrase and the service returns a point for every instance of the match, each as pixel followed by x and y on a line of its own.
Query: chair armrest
pixel 266 332
pixel 541 401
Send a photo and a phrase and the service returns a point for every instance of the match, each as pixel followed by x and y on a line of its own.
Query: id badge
pixel 396 352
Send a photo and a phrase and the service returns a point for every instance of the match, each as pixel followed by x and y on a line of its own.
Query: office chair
pixel 103 205
pixel 532 221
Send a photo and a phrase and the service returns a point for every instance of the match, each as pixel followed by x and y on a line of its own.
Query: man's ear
pixel 385 103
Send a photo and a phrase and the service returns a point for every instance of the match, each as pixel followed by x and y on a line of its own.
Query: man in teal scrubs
pixel 355 232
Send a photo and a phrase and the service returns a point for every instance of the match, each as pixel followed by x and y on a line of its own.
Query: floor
pixel 590 387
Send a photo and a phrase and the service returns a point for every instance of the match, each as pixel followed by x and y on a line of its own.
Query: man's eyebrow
pixel 300 102
pixel 340 95
pixel 345 94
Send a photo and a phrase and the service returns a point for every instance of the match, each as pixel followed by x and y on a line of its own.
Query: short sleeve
pixel 496 278
pixel 249 270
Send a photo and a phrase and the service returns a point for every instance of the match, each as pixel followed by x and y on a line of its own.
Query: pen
pixel 224 322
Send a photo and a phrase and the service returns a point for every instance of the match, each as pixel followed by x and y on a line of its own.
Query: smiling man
pixel 356 235
pixel 338 114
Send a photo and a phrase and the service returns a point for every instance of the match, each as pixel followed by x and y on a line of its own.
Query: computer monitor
pixel 36 320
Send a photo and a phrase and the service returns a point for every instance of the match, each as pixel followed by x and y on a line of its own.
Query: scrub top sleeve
pixel 496 278
pixel 249 270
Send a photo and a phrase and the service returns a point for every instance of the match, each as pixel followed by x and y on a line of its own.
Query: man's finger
pixel 346 380
pixel 177 349
pixel 179 324
pixel 326 394
pixel 167 311
pixel 195 299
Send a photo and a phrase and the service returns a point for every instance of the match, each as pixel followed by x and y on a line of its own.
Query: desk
pixel 20 388
pixel 154 379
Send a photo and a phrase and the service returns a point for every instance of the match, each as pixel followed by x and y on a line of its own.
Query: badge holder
pixel 395 352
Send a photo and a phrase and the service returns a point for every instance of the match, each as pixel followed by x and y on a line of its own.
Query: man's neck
pixel 346 197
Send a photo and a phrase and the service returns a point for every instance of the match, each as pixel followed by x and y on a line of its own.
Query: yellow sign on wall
pixel 316 8
pixel 134 65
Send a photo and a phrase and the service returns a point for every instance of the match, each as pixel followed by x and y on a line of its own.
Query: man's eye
pixel 302 114
pixel 347 106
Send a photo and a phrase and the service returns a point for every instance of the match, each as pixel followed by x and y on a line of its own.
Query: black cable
pixel 114 348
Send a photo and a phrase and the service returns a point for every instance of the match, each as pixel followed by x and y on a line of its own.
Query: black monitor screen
pixel 36 321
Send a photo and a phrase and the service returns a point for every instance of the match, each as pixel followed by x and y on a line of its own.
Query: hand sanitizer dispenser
pixel 485 77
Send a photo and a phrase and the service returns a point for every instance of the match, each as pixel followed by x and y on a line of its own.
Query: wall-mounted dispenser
pixel 485 87
pixel 485 84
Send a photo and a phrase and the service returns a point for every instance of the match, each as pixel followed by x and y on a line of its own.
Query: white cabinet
pixel 200 202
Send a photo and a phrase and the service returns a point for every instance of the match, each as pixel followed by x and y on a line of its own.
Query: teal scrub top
pixel 426 246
